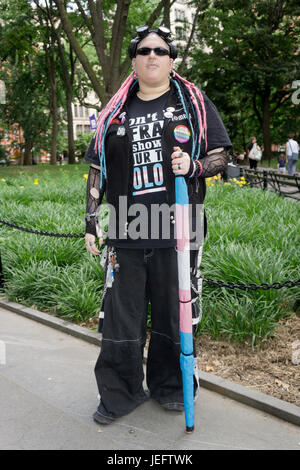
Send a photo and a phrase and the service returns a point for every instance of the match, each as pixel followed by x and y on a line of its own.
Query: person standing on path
pixel 252 161
pixel 281 163
pixel 292 154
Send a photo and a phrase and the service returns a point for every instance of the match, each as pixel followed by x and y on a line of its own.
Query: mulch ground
pixel 272 368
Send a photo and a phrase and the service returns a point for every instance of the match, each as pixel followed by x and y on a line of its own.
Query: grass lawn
pixel 253 236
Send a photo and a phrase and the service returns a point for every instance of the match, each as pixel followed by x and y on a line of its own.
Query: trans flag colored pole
pixel 185 305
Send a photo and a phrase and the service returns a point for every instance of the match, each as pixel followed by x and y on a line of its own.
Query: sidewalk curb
pixel 240 393
pixel 54 322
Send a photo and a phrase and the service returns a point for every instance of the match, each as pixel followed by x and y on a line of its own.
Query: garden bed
pixel 253 237
pixel 267 368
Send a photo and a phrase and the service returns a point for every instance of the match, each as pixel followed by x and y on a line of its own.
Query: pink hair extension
pixel 193 90
pixel 118 98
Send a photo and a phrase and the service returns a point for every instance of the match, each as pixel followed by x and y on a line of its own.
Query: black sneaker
pixel 173 406
pixel 102 419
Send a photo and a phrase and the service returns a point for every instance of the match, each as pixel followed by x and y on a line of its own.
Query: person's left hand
pixel 180 161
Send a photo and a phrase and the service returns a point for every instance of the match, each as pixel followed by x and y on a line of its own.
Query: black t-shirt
pixel 146 121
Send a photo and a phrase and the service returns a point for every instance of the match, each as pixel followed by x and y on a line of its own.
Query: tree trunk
pixel 71 144
pixel 265 126
pixel 98 88
pixel 189 42
pixel 68 79
pixel 244 144
pixel 53 105
pixel 27 152
pixel 113 62
pixel 53 150
pixel 166 20
pixel 114 69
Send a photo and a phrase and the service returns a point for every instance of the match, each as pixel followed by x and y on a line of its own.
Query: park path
pixel 48 395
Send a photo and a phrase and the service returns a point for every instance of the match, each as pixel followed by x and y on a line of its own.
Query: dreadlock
pixel 196 99
pixel 106 116
pixel 190 97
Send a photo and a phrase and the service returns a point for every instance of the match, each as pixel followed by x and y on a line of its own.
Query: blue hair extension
pixel 101 145
pixel 187 115
pixel 195 119
pixel 133 85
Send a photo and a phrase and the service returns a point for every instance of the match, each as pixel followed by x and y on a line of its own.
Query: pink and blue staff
pixel 185 305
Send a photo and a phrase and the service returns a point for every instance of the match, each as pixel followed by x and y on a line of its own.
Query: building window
pixel 180 33
pixel 179 15
pixel 75 111
pixel 79 129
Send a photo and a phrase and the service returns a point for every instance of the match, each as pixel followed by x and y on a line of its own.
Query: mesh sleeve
pixel 93 198
pixel 213 164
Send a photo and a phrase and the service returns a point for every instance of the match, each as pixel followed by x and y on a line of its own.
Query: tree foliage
pixel 244 54
pixel 110 26
pixel 30 70
pixel 21 71
pixel 247 60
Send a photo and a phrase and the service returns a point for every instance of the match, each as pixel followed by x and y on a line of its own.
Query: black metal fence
pixel 216 283
pixel 285 185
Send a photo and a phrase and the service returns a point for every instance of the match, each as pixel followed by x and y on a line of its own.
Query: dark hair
pixel 290 136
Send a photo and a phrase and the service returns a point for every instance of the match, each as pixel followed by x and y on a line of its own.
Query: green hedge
pixel 253 236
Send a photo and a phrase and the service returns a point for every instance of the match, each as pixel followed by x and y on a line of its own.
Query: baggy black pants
pixel 144 276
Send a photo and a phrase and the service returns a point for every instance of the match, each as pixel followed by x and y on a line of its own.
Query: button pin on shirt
pixel 168 113
pixel 123 117
pixel 121 131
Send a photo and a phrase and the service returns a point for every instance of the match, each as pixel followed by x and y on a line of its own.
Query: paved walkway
pixel 48 395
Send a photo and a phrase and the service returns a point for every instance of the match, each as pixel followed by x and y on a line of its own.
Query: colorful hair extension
pixel 195 94
pixel 115 105
pixel 187 115
pixel 106 116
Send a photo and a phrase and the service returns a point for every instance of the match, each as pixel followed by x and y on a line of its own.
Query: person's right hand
pixel 90 243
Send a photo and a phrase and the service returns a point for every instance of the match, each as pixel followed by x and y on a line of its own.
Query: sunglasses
pixel 157 50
